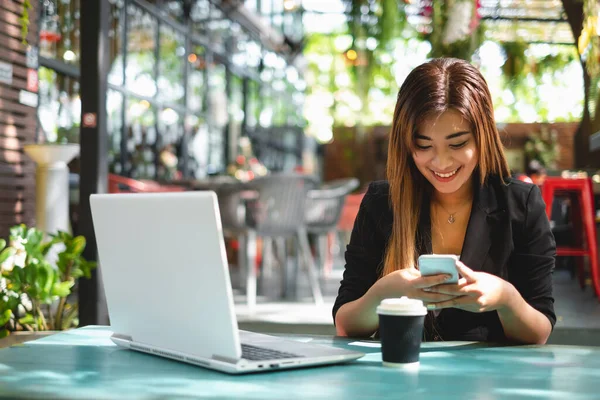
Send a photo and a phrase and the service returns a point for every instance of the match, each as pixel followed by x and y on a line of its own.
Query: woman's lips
pixel 445 177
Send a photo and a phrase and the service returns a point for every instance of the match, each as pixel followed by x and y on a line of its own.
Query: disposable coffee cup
pixel 401 331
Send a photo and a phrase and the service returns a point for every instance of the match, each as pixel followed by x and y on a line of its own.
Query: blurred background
pixel 292 102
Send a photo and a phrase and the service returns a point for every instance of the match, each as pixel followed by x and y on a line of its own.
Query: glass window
pixel 253 55
pixel 114 128
pixel 219 118
pixel 170 125
pixel 115 44
pixel 198 160
pixel 292 25
pixel 59 107
pixel 238 47
pixel 197 86
pixel 200 14
pixel 215 26
pixel 252 104
pixel 266 8
pixel 294 102
pixel 277 12
pixel 218 95
pixel 141 61
pixel 267 106
pixel 174 9
pixel 170 66
pixel 59 30
pixel 251 5
pixel 142 139
pixel 236 112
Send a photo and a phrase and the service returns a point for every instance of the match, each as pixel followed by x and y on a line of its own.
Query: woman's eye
pixel 458 145
pixel 421 147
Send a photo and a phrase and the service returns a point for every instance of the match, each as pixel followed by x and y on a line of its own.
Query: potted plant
pixel 37 274
pixel 543 146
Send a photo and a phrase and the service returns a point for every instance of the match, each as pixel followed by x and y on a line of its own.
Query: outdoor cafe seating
pixel 272 218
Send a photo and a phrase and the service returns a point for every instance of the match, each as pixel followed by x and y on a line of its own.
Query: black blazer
pixel 508 235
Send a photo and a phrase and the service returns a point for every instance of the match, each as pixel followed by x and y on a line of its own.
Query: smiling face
pixel 445 151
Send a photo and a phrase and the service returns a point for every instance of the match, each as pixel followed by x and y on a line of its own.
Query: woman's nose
pixel 442 160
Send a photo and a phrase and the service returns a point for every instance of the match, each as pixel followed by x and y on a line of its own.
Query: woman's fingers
pixel 429 281
pixel 466 272
pixel 428 297
pixel 456 302
pixel 463 288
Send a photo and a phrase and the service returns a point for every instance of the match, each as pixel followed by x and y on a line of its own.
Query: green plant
pixel 24 20
pixel 37 275
pixel 455 29
pixel 543 147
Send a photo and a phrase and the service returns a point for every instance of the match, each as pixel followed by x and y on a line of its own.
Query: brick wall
pixel 17 121
pixel 515 135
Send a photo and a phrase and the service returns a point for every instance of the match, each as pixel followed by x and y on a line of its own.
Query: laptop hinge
pixel 122 337
pixel 225 359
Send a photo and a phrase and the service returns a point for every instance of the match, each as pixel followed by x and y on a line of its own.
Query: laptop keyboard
pixel 254 353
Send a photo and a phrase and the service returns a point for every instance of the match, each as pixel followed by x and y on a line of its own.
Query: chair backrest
pixel 324 205
pixel 231 206
pixel 278 209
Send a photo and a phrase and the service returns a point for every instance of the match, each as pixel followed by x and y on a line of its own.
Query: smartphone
pixel 436 264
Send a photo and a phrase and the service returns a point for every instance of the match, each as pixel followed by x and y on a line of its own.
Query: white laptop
pixel 166 279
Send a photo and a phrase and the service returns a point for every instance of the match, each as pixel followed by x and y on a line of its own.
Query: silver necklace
pixel 451 218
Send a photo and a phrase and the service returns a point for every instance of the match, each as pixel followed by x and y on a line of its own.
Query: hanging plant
pixel 25 20
pixel 516 67
pixel 455 29
pixel 588 42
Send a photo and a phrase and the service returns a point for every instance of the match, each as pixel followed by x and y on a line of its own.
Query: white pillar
pixel 52 185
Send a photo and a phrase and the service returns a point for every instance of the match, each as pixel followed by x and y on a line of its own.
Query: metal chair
pixel 323 210
pixel 278 213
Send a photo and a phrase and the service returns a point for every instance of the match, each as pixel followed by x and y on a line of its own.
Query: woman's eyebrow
pixel 457 134
pixel 450 136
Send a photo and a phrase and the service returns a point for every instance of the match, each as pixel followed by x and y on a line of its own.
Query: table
pixel 83 363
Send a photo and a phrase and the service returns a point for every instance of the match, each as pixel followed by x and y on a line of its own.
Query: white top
pixel 401 306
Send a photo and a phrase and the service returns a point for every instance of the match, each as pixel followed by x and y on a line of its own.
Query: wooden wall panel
pixel 17 123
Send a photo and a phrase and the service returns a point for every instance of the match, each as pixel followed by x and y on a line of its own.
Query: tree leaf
pixel 62 289
pixel 2 244
pixel 4 333
pixel 7 253
pixel 17 231
pixel 45 281
pixel 27 320
pixel 77 246
pixel 5 317
pixel 77 273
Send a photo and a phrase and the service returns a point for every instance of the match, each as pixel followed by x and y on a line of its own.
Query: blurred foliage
pixel 543 147
pixel 24 20
pixel 515 68
pixel 458 35
pixel 352 84
pixel 532 80
pixel 36 277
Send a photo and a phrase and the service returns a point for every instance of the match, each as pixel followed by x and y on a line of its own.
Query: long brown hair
pixel 429 90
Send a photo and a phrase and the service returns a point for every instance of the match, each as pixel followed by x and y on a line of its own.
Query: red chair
pixel 350 211
pixel 583 215
pixel 121 184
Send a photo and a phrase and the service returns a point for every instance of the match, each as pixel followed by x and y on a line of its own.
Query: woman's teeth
pixel 448 175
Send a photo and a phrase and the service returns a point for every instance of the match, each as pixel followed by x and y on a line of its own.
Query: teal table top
pixel 85 364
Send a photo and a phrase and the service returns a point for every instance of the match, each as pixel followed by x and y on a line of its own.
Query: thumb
pixel 465 271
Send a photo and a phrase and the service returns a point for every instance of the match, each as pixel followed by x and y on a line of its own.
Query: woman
pixel 449 192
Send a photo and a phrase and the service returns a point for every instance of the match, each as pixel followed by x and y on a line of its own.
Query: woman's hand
pixel 475 292
pixel 409 282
